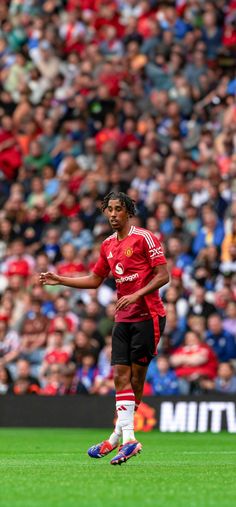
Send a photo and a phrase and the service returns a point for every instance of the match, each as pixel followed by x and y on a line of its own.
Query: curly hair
pixel 124 199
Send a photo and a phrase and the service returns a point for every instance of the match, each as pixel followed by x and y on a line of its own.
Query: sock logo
pixel 122 407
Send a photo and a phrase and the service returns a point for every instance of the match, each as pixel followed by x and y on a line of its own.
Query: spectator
pixel 174 332
pixel 36 323
pixel 38 196
pixel 211 33
pixel 106 322
pixel 198 305
pixel 36 159
pixel 222 342
pixel 162 378
pixel 197 323
pixel 225 381
pixel 176 251
pixel 104 358
pixel 18 262
pixel 51 245
pixel 23 372
pixel 211 233
pixel 193 362
pixel 52 380
pixel 31 229
pixel 87 372
pixel 228 250
pixel 9 343
pixel 65 319
pixel 10 155
pixel 89 327
pixel 5 380
pixel 22 386
pixel 56 353
pixel 70 264
pixel 69 383
pixel 76 234
pixel 82 346
pixel 229 319
pixel 104 381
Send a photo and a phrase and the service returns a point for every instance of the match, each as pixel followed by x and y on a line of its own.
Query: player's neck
pixel 123 233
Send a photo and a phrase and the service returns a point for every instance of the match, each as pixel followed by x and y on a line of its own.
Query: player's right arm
pixel 92 281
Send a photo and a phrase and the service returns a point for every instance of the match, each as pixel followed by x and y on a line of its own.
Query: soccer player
pixel 135 258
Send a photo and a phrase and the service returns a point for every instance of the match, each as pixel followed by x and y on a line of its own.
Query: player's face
pixel 117 214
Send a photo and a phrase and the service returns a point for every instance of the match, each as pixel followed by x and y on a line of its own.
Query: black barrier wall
pixel 199 414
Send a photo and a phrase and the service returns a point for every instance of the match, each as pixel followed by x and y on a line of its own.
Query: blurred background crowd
pixel 129 95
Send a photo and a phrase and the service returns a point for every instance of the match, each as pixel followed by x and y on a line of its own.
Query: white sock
pixel 125 403
pixel 116 435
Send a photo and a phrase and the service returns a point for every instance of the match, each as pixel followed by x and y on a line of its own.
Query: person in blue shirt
pixel 211 232
pixel 222 342
pixel 162 378
pixel 77 234
pixel 225 381
pixel 211 33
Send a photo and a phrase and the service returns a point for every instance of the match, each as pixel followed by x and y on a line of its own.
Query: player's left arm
pixel 161 277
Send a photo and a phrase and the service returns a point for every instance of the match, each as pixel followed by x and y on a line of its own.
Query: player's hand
pixel 125 301
pixel 49 278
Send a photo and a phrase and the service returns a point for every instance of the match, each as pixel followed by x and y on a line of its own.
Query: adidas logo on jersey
pixel 110 255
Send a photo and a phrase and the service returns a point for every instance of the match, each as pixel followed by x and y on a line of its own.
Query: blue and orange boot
pixel 101 450
pixel 126 451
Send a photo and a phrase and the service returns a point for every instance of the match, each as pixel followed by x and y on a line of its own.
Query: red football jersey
pixel 207 369
pixel 131 262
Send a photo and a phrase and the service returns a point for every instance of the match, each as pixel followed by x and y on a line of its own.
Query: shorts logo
pixel 129 251
pixel 119 269
pixel 143 360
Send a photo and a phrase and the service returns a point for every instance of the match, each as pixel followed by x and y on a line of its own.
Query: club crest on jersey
pixel 129 251
pixel 119 269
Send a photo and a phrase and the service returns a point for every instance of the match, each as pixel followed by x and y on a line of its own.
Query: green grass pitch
pixel 50 468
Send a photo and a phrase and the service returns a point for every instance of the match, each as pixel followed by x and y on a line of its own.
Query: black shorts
pixel 136 342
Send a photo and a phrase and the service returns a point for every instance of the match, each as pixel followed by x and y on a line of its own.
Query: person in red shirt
pixel 135 258
pixel 194 361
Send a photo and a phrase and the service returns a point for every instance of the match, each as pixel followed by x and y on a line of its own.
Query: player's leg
pixel 125 400
pixel 133 347
pixel 138 376
pixel 122 375
pixel 129 383
pixel 125 396
pixel 145 338
pixel 125 406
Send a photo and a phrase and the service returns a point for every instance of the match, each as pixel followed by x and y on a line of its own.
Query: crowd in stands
pixel 129 95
